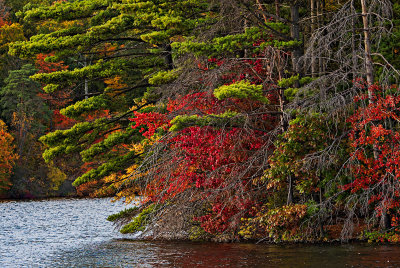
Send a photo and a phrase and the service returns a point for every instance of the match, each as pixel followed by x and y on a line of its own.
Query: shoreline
pixel 299 243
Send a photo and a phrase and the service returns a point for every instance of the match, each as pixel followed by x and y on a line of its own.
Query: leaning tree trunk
pixel 290 190
pixel 261 7
pixel 369 67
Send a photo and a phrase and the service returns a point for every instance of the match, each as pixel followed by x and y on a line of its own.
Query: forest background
pixel 232 119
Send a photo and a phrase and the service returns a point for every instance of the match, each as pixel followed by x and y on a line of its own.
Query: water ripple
pixel 74 233
pixel 31 232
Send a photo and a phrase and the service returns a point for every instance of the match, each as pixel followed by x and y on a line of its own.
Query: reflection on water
pixel 74 233
pixel 121 253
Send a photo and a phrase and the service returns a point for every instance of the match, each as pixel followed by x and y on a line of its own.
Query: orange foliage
pixel 57 99
pixel 48 67
pixel 7 157
pixel 115 82
pixel 3 22
pixel 87 188
pixel 60 121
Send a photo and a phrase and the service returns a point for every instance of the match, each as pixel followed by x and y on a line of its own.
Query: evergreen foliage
pixel 20 96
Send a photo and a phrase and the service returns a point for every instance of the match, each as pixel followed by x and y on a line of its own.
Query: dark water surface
pixel 74 233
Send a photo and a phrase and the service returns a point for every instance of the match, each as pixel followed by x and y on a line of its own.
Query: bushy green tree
pixel 20 97
pixel 113 48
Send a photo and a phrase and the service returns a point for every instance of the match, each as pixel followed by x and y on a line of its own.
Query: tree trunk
pixel 320 12
pixel 260 7
pixel 295 32
pixel 86 86
pixel 353 44
pixel 367 46
pixel 168 57
pixel 277 9
pixel 86 89
pixel 290 191
pixel 296 53
pixel 369 67
pixel 312 28
pixel 282 102
pixel 386 220
pixel 321 223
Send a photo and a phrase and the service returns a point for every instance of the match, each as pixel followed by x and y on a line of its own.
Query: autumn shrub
pixel 375 156
pixel 7 158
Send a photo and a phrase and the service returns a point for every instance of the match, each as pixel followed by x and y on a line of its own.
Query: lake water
pixel 75 233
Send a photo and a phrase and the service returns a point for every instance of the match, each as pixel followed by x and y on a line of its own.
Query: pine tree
pixel 113 50
pixel 19 97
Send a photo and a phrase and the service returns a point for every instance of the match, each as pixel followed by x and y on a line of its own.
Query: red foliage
pixel 57 99
pixel 203 102
pixel 48 67
pixel 152 120
pixel 60 121
pixel 210 162
pixel 375 140
pixel 3 22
